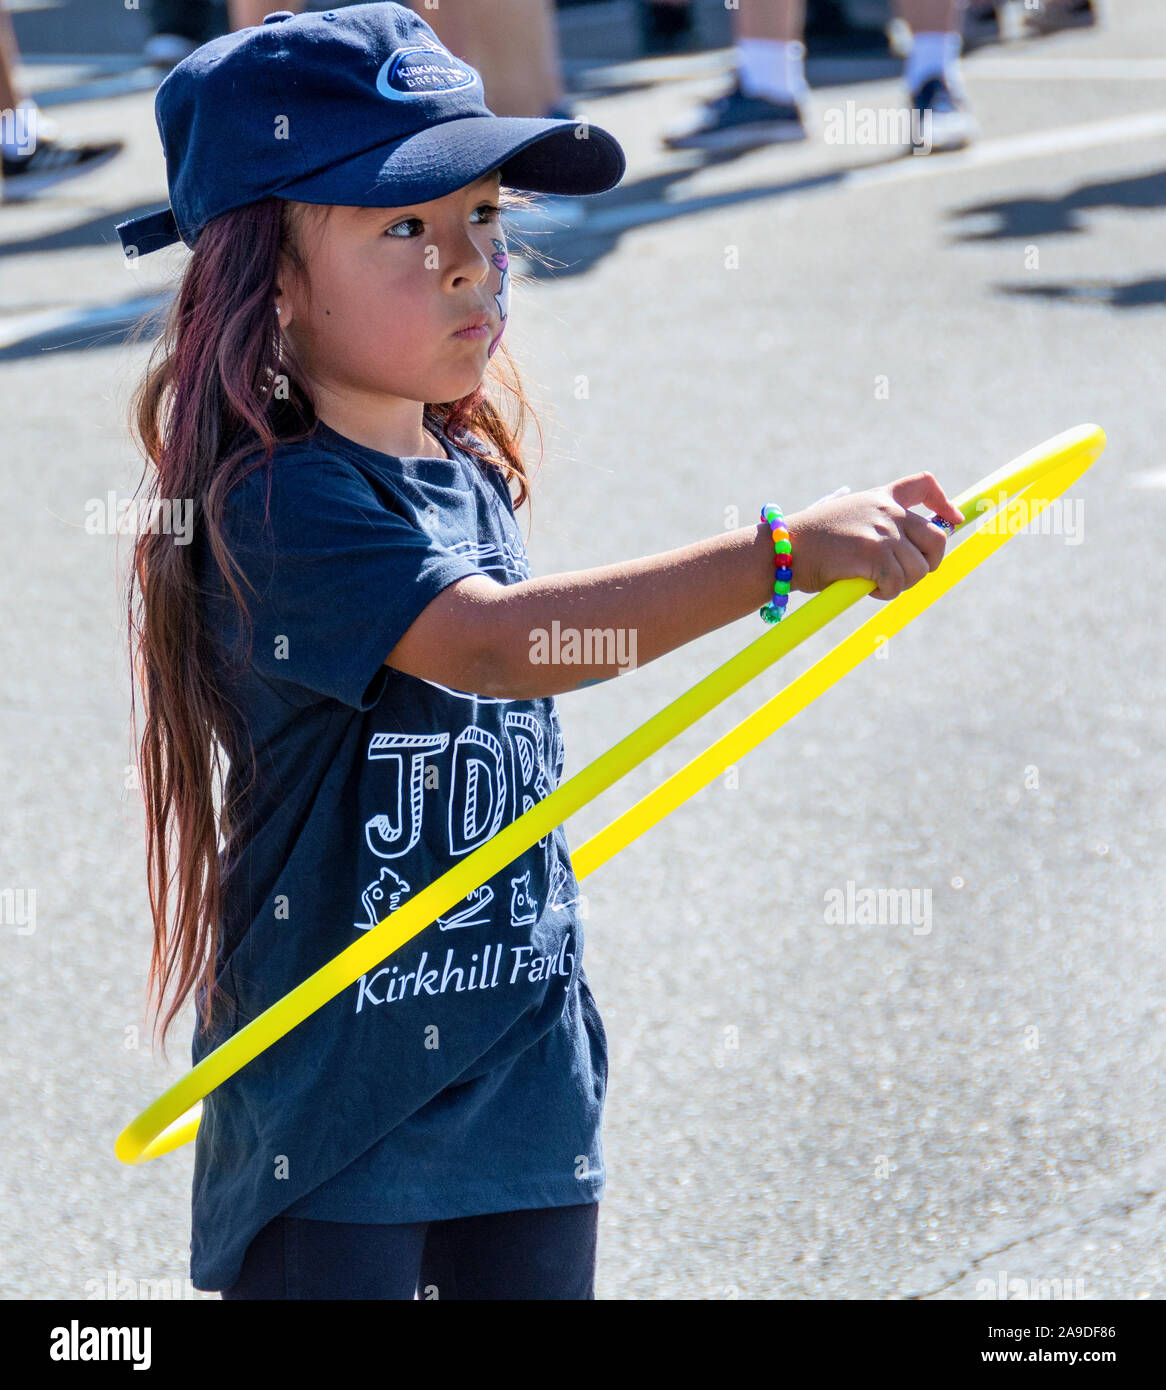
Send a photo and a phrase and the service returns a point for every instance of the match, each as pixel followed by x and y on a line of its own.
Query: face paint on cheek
pixel 502 295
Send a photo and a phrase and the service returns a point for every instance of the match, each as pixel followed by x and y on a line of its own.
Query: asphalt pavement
pixel 797 1108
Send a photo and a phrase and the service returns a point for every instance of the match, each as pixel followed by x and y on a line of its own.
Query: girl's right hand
pixel 871 535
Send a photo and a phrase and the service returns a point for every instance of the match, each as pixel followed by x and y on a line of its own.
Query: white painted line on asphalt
pixel 1067 69
pixel 1153 480
pixel 1142 126
pixel 22 326
pixel 1038 144
pixel 137 80
pixel 103 62
pixel 25 326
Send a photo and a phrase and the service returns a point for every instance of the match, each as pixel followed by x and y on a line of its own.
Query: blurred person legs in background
pixel 768 97
pixel 514 44
pixel 33 152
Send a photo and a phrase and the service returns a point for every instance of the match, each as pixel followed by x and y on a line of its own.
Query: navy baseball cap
pixel 361 106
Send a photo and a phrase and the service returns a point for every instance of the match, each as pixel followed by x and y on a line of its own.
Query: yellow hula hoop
pixel 1056 464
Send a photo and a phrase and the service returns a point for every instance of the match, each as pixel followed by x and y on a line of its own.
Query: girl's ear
pixel 285 287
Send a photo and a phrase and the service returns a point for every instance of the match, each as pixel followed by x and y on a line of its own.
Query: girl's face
pixel 390 287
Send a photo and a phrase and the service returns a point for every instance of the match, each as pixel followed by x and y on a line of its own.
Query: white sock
pixel 934 54
pixel 771 68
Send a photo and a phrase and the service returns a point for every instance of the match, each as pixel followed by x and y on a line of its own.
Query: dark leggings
pixel 547 1252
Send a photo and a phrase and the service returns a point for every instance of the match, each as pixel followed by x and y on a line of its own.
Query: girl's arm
pixel 501 640
pixel 484 637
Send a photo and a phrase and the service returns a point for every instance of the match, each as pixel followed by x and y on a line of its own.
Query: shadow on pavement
pixel 1027 217
pixel 94 231
pixel 1138 294
pixel 97 326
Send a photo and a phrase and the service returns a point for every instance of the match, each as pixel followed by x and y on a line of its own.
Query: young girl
pixel 352 628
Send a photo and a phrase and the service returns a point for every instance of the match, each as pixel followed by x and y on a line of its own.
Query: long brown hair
pixel 227 385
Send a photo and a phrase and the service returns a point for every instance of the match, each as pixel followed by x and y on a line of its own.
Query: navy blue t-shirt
pixel 466 1073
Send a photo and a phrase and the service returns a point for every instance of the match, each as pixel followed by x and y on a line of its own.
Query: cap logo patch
pixel 417 71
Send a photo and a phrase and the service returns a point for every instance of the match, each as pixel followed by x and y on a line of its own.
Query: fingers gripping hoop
pixel 1055 465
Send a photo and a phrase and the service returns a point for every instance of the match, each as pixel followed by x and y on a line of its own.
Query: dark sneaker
pixel 938 121
pixel 1066 14
pixel 735 121
pixel 55 158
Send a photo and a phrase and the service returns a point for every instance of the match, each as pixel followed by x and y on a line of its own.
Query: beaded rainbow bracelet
pixel 774 610
pixel 772 515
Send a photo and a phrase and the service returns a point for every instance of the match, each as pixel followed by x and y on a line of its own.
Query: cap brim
pixel 149 232
pixel 535 153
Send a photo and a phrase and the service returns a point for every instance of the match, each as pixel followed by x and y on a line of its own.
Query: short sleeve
pixel 339 576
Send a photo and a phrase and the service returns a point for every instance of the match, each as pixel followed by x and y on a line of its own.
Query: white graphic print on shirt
pixel 484 780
